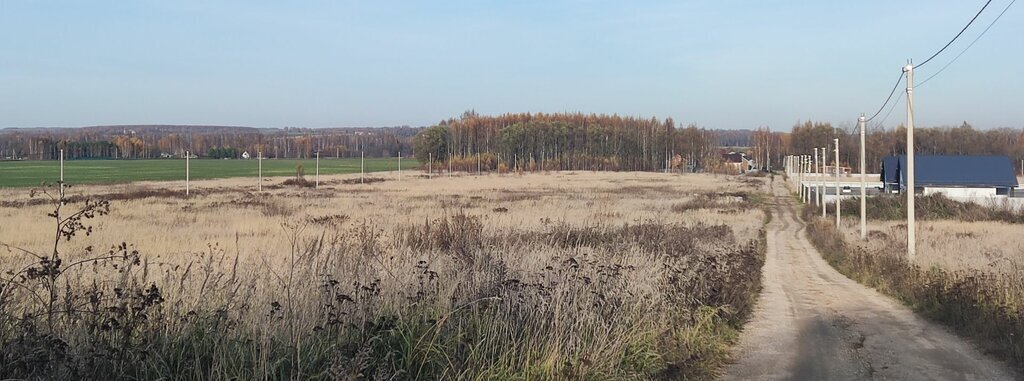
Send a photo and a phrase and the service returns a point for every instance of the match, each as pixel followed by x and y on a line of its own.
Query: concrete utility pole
pixel 862 124
pixel 430 164
pixel 259 159
pixel 800 176
pixel 317 169
pixel 399 166
pixel 186 173
pixel 911 226
pixel 362 166
pixel 824 178
pixel 839 192
pixel 807 178
pixel 817 195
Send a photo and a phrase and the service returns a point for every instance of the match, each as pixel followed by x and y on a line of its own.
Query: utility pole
pixel 800 178
pixel 478 167
pixel 186 173
pixel 799 174
pixel 817 195
pixel 317 169
pixel 824 178
pixel 362 166
pixel 862 124
pixel 259 187
pixel 430 164
pixel 839 192
pixel 768 154
pixel 911 226
pixel 807 178
pixel 399 165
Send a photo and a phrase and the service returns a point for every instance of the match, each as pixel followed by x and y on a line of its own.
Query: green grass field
pixel 33 173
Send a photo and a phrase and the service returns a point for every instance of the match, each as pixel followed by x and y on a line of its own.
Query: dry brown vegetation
pixel 968 273
pixel 560 276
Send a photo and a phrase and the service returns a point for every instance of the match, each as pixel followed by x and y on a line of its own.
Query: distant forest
pixel 522 141
pixel 156 141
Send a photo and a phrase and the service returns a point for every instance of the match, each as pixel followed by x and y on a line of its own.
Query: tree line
pixel 564 141
pixel 881 142
pixel 144 142
pixel 516 141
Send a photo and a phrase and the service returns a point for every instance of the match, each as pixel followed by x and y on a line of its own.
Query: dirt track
pixel 812 323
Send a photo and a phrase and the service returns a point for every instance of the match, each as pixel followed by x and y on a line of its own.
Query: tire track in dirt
pixel 812 323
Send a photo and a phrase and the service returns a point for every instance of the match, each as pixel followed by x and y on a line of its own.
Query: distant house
pixel 953 176
pixel 737 161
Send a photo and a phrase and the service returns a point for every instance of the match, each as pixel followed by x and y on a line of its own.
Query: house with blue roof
pixel 953 176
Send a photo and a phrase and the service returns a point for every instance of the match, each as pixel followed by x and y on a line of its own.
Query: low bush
pixel 933 207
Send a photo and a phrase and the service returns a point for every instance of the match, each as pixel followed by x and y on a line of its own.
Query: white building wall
pixel 961 192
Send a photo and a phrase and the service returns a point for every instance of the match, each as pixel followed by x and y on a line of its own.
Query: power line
pixel 957 35
pixel 898 80
pixel 887 99
pixel 970 45
pixel 890 110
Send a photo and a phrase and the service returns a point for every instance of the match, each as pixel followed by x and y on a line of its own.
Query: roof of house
pixel 733 157
pixel 890 168
pixel 952 171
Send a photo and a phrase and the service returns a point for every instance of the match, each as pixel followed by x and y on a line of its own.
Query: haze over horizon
pixel 723 65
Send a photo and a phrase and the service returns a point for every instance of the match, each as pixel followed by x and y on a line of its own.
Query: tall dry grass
pixel 579 276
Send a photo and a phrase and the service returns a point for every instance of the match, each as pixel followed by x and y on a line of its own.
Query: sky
pixel 719 64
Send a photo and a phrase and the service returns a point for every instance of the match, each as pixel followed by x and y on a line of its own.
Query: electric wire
pixel 882 123
pixel 968 46
pixel 887 99
pixel 957 35
pixel 898 80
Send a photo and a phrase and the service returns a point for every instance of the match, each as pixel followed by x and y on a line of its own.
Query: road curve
pixel 812 323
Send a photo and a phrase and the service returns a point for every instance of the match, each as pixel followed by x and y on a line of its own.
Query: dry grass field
pixel 542 276
pixel 986 246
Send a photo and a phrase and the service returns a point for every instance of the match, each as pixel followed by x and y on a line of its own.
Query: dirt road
pixel 812 323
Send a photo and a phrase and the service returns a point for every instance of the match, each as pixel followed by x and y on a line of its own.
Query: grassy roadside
pixel 985 307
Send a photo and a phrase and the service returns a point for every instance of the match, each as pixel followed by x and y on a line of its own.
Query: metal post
pixel 862 124
pixel 911 226
pixel 186 173
pixel 839 191
pixel 259 187
pixel 62 173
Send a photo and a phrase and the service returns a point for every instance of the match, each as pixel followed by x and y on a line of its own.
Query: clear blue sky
pixel 719 64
